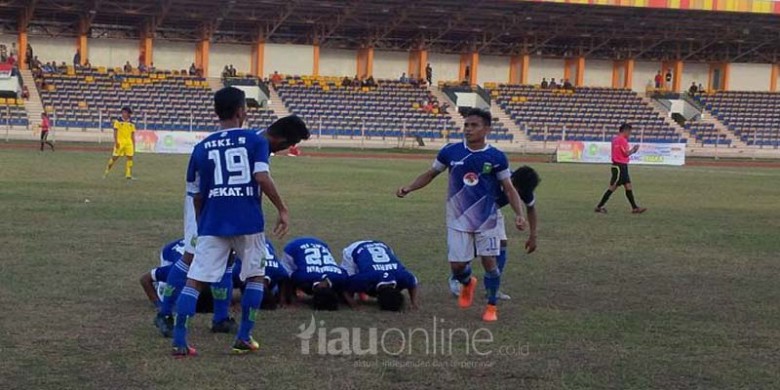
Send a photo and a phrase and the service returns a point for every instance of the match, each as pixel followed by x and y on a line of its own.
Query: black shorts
pixel 619 175
pixel 44 135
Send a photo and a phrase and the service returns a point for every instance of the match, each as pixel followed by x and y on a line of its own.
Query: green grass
pixel 684 296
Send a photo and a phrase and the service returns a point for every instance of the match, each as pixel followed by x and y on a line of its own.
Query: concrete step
pixel 215 83
pixel 514 129
pixel 33 106
pixel 276 104
pixel 453 110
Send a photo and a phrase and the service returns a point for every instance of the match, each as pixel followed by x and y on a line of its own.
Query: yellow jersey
pixel 124 131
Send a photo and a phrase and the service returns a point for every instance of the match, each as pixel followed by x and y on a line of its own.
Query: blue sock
pixel 185 309
pixel 250 307
pixel 177 278
pixel 222 292
pixel 501 259
pixel 492 283
pixel 464 277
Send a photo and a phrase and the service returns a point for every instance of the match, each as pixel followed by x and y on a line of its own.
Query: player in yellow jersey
pixel 124 143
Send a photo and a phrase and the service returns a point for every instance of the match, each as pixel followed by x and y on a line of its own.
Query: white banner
pixel 601 153
pixel 148 141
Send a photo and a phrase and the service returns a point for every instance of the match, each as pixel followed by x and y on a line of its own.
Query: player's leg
pixel 129 166
pixel 177 278
pixel 208 266
pixel 501 258
pixel 43 139
pixel 613 184
pixel 251 249
pixel 630 194
pixel 487 245
pixel 111 162
pixel 461 251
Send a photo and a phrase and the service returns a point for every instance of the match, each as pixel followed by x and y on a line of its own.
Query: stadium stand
pixel 707 134
pixel 160 101
pixel 586 113
pixel 753 116
pixel 12 112
pixel 384 111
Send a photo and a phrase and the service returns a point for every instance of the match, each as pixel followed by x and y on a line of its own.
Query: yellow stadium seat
pixel 125 86
pixel 3 101
pixel 416 105
pixel 326 88
pixel 19 102
pixel 50 87
pixel 101 69
pixel 188 83
pixel 82 104
pixel 49 108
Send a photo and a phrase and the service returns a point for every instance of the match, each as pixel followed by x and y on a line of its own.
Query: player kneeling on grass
pixel 525 180
pixel 314 271
pixel 374 270
pixel 477 172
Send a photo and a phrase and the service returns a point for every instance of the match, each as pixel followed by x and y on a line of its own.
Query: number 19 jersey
pixel 221 170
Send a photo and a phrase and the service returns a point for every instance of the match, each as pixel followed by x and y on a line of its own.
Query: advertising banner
pixel 148 141
pixel 601 153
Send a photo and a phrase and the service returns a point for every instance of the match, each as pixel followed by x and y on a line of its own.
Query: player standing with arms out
pixel 124 143
pixel 228 174
pixel 45 127
pixel 620 157
pixel 476 171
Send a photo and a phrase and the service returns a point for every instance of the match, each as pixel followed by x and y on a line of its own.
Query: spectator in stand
pixel 659 80
pixel 276 78
pixel 25 93
pixel 30 55
pixel 545 84
pixel 429 74
pixel 225 73
pixel 12 60
pixel 701 88
pixel 87 64
pixel 693 89
pixel 77 59
pixel 467 74
pixel 233 72
pixel 152 69
pixel 428 108
pixel 553 84
pixel 346 82
pixel 142 68
pixel 669 78
pixel 128 67
pixel 567 85
pixel 403 78
pixel 370 82
pixel 356 82
pixel 63 67
pixel 193 70
pixel 444 108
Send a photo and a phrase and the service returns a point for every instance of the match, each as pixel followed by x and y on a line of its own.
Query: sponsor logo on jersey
pixel 471 179
pixel 487 168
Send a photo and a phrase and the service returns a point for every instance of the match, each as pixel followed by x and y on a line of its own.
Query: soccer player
pixel 45 126
pixel 313 270
pixel 124 143
pixel 374 269
pixel 477 171
pixel 276 277
pixel 227 175
pixel 525 180
pixel 620 177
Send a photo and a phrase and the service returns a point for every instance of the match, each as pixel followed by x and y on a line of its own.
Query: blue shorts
pixel 366 282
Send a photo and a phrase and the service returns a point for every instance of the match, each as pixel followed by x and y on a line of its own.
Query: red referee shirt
pixel 620 150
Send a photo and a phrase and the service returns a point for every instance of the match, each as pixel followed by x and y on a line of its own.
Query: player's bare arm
pixel 530 244
pixel 421 181
pixel 515 202
pixel 268 188
pixel 148 285
pixel 413 300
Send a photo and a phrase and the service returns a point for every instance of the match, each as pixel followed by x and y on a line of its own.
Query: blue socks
pixel 501 259
pixel 185 309
pixel 464 277
pixel 250 307
pixel 177 278
pixel 492 283
pixel 222 292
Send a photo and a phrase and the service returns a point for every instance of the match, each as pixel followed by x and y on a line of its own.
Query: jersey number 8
pixel 237 164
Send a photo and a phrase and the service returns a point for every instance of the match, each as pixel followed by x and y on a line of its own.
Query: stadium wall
pixel 172 55
pixel 50 49
pixel 337 62
pixel 750 77
pixel 548 68
pixel 221 54
pixel 598 73
pixel 110 53
pixel 694 72
pixel 290 59
pixel 493 68
pixel 390 64
pixel 644 73
pixel 445 66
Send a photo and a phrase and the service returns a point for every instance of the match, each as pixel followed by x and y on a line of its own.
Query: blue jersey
pixel 310 256
pixel 221 170
pixel 475 179
pixel 368 256
pixel 169 255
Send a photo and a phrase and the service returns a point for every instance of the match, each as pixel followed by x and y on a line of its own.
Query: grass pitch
pixel 684 296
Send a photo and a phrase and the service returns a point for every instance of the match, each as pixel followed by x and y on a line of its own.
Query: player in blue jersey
pixel 276 277
pixel 282 134
pixel 476 173
pixel 525 180
pixel 374 269
pixel 313 270
pixel 227 176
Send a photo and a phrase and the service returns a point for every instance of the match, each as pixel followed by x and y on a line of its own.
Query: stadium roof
pixel 454 26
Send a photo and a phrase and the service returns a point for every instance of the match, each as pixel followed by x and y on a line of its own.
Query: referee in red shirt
pixel 620 177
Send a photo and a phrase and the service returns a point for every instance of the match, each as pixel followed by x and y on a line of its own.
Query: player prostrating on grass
pixel 314 270
pixel 477 171
pixel 124 143
pixel 45 127
pixel 374 269
pixel 621 154
pixel 227 176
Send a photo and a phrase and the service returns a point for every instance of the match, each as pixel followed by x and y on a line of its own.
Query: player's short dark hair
pixel 324 299
pixel 625 126
pixel 227 102
pixel 389 298
pixel 525 179
pixel 292 128
pixel 127 109
pixel 487 118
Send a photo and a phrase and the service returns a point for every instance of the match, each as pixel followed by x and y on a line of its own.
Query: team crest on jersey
pixel 471 179
pixel 487 168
